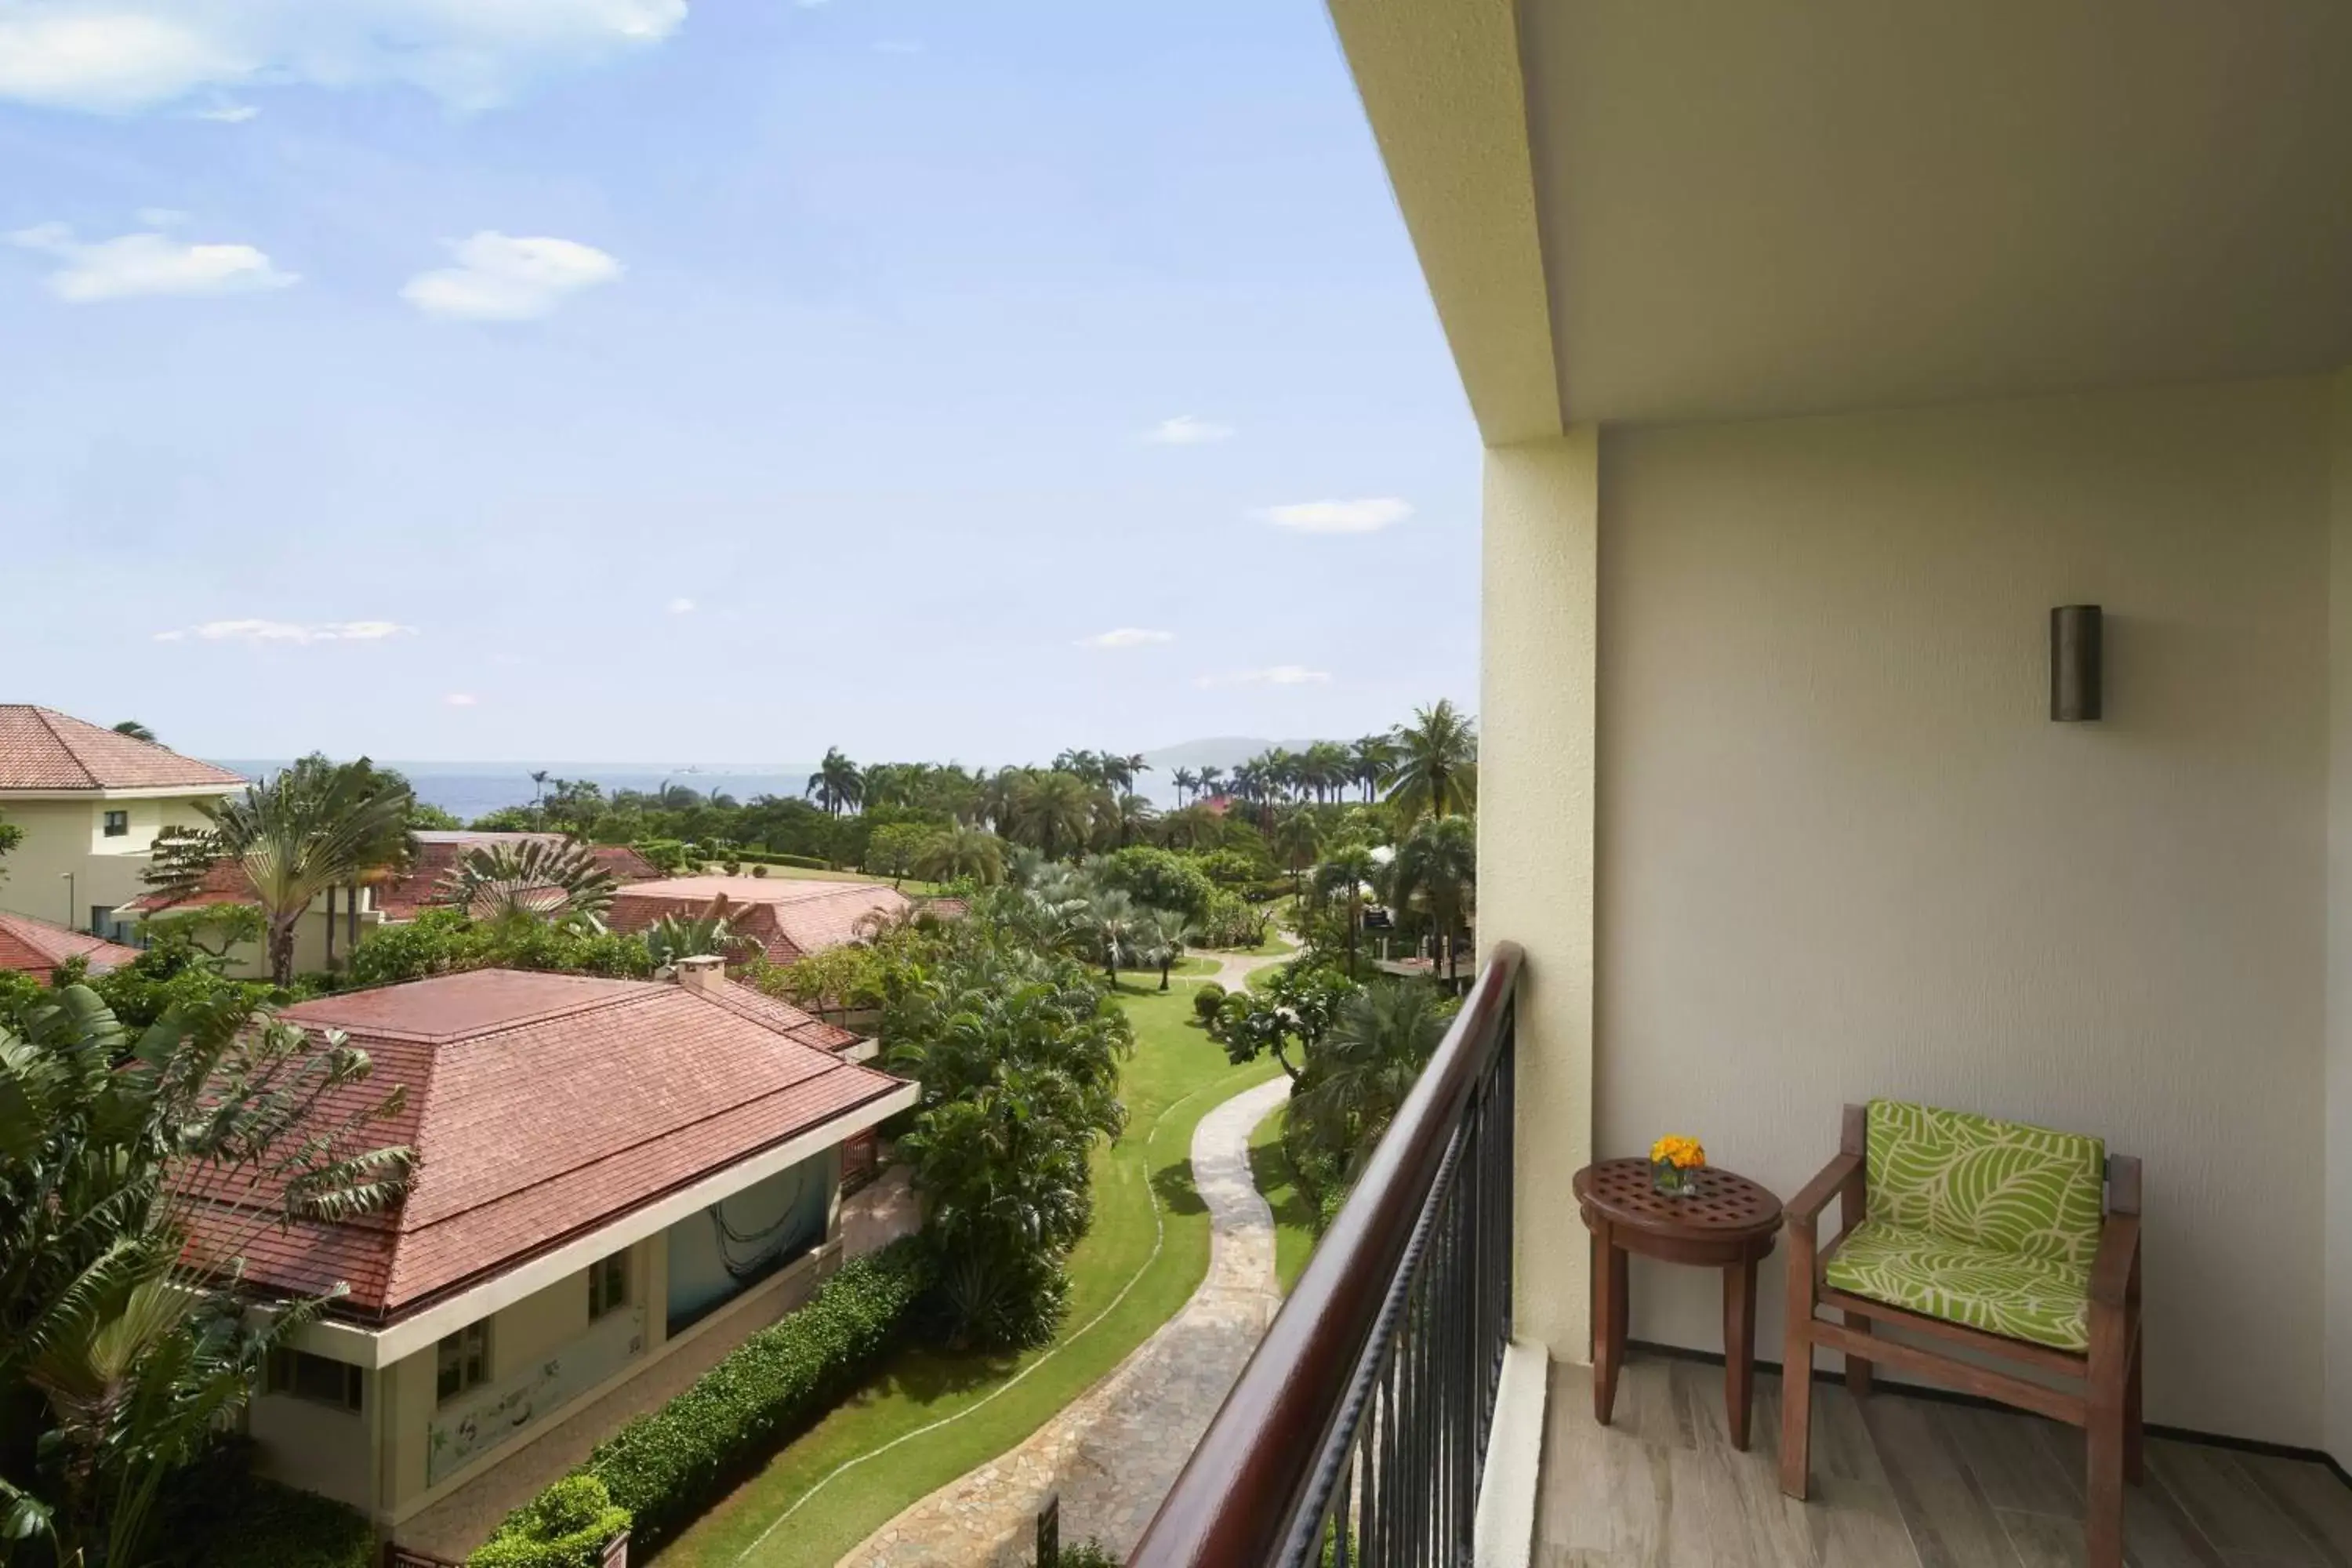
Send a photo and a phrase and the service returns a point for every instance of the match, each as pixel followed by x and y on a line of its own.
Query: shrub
pixel 566 1526
pixel 1087 1554
pixel 216 1514
pixel 667 1465
pixel 1207 1000
pixel 760 868
pixel 732 868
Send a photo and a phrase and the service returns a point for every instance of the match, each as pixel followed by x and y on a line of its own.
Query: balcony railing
pixel 1356 1435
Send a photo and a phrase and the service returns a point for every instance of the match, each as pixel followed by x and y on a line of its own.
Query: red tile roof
pixel 42 748
pixel 35 947
pixel 788 916
pixel 544 1105
pixel 404 896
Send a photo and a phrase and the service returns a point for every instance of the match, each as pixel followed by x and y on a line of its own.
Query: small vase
pixel 1671 1179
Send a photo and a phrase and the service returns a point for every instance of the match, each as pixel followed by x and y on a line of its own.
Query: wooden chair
pixel 1986 1235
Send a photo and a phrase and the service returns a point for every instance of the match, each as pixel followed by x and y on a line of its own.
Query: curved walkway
pixel 1113 1453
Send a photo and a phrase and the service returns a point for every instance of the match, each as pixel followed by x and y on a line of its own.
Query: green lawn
pixel 1294 1212
pixel 1119 1293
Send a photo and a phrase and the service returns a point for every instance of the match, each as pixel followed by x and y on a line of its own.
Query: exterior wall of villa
pixel 1843 851
pixel 2338 1156
pixel 69 836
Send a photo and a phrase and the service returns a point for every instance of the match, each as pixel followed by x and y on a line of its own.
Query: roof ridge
pixel 48 718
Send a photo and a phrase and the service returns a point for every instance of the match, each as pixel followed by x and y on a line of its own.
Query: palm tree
pixel 1186 781
pixel 136 731
pixel 1053 812
pixel 315 826
pixel 837 785
pixel 537 881
pixel 539 777
pixel 1087 767
pixel 961 852
pixel 1160 941
pixel 1342 874
pixel 1374 758
pixel 1298 839
pixel 1437 764
pixel 1130 818
pixel 1115 924
pixel 1366 1064
pixel 1437 868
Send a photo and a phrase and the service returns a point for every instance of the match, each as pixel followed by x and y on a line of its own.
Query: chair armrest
pixel 2111 1270
pixel 1805 1208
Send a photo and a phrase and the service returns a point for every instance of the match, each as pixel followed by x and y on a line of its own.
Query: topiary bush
pixel 667 1465
pixel 1207 1000
pixel 566 1526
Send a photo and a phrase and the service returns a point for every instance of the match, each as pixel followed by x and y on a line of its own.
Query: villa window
pixel 117 823
pixel 302 1375
pixel 462 1361
pixel 608 1284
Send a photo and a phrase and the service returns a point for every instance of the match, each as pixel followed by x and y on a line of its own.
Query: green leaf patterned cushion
pixel 2003 1186
pixel 2000 1292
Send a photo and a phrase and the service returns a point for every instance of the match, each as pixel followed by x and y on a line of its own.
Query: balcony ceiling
pixel 1764 208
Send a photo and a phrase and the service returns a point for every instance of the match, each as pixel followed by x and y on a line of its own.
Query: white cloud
pixel 117 57
pixel 1126 636
pixel 1185 430
pixel 260 631
pixel 459 699
pixel 1273 675
pixel 1369 515
pixel 229 113
pixel 500 278
pixel 147 263
pixel 681 606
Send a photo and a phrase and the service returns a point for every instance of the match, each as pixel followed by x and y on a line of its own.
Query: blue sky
pixel 621 379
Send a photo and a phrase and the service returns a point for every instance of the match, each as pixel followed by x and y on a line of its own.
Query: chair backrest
pixel 2003 1185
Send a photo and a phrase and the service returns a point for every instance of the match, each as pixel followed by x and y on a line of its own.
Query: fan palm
pixel 1436 868
pixel 1161 937
pixel 539 881
pixel 960 853
pixel 315 826
pixel 1116 924
pixel 1437 764
pixel 708 934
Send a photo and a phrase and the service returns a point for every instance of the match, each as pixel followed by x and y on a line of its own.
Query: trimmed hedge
pixel 217 1515
pixel 669 1464
pixel 566 1526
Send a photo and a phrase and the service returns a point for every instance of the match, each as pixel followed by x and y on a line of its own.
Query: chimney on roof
pixel 704 972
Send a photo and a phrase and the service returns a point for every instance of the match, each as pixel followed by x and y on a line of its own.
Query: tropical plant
pixel 1293 1011
pixel 136 731
pixel 1378 1041
pixel 960 854
pixel 315 826
pixel 1437 871
pixel 1053 812
pixel 1186 782
pixel 837 785
pixel 135 1169
pixel 895 848
pixel 537 881
pixel 1160 941
pixel 711 933
pixel 1340 876
pixel 1208 1000
pixel 1115 924
pixel 1436 771
pixel 1372 759
pixel 1298 839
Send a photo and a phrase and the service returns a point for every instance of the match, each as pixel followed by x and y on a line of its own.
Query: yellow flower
pixel 1683 1153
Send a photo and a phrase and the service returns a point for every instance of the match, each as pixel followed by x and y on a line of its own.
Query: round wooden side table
pixel 1725 1222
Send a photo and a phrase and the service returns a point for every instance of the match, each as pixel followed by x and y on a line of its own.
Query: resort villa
pixel 787 918
pixel 37 948
pixel 617 1181
pixel 1843 371
pixel 89 803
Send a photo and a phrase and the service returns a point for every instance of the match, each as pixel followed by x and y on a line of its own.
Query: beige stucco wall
pixel 1842 850
pixel 69 836
pixel 2339 936
pixel 318 1448
pixel 1535 832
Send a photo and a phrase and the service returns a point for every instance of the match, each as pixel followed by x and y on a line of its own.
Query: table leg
pixel 1738 1347
pixel 1609 1303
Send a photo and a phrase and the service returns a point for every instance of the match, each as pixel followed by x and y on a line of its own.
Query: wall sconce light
pixel 2074 663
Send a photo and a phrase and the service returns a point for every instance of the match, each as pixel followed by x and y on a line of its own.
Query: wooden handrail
pixel 1232 1503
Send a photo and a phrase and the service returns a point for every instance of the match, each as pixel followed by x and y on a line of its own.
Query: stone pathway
pixel 1114 1452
